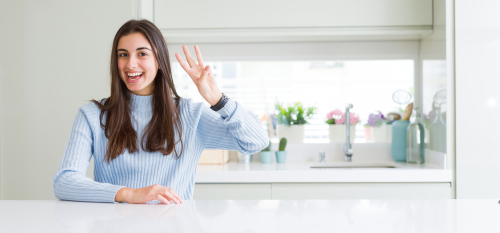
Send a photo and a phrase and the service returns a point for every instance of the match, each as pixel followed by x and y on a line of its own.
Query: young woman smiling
pixel 146 140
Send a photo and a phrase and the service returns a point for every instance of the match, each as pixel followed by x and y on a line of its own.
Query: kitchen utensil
pixel 407 113
pixel 439 98
pixel 401 97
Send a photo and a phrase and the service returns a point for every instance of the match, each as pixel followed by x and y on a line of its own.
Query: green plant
pixel 330 121
pixel 293 115
pixel 268 148
pixel 282 144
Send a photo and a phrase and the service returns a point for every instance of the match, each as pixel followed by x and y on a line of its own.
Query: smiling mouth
pixel 134 76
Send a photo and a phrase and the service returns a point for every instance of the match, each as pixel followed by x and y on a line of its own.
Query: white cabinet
pixel 298 191
pixel 477 79
pixel 267 20
pixel 202 14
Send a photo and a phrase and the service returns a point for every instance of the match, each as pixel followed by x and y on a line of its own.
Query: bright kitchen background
pixel 327 85
pixel 56 57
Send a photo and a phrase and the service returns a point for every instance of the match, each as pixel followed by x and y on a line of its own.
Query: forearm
pixel 74 186
pixel 236 130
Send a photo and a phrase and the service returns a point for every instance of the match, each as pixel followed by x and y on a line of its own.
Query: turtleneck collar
pixel 139 103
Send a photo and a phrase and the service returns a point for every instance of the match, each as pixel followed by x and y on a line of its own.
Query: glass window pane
pixel 327 85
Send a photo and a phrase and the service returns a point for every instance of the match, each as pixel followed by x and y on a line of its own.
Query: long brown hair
pixel 166 117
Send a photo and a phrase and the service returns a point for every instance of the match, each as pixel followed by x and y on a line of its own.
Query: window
pixel 325 84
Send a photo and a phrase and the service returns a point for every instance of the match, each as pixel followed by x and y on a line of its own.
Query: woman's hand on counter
pixel 149 193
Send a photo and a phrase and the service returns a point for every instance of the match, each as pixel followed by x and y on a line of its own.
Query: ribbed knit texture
pixel 231 128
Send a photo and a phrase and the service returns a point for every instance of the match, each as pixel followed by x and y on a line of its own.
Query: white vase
pixel 336 133
pixel 382 133
pixel 292 133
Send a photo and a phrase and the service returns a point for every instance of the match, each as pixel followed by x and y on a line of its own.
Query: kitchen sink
pixel 356 165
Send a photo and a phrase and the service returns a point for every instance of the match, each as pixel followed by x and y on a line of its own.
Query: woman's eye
pixel 122 55
pixel 143 54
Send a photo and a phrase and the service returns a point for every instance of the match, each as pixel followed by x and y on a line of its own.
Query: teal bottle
pixel 398 146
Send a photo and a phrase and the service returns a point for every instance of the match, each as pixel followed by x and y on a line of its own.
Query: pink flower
pixel 329 115
pixel 354 118
pixel 335 114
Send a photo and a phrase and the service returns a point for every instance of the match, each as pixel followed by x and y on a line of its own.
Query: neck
pixel 145 91
pixel 140 103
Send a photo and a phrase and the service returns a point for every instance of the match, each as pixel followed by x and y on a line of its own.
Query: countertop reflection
pixel 252 216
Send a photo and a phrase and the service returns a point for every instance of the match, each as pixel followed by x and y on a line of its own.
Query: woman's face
pixel 136 63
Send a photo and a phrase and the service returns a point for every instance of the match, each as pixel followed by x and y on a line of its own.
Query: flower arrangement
pixel 295 114
pixel 337 117
pixel 376 120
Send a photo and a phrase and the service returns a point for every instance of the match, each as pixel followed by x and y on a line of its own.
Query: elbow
pixel 58 185
pixel 56 188
pixel 259 143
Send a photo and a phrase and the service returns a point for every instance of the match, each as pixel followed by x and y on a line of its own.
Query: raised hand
pixel 201 76
pixel 149 193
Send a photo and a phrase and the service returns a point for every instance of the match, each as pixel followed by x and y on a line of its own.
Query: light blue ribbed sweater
pixel 231 128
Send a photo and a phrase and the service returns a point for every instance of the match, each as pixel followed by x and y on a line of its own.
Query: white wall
pixel 477 49
pixel 55 57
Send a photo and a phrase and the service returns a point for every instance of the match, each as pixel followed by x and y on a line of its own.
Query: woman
pixel 147 140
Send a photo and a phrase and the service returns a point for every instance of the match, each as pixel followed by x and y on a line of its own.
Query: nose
pixel 132 62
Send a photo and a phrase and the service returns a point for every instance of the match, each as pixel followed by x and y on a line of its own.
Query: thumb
pixel 204 74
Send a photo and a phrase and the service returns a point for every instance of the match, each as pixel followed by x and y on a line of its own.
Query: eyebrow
pixel 140 48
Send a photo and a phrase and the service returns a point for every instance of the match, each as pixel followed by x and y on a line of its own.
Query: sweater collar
pixel 140 103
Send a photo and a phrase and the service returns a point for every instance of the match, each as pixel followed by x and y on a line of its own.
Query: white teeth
pixel 134 74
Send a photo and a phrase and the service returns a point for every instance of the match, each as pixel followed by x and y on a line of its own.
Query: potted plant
pixel 335 121
pixel 381 128
pixel 281 154
pixel 291 121
pixel 266 155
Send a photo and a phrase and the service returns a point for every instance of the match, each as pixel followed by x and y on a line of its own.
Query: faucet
pixel 347 145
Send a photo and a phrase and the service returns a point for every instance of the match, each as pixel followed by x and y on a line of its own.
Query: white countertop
pixel 257 172
pixel 253 216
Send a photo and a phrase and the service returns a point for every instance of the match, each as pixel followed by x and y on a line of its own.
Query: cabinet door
pixel 232 192
pixel 255 14
pixel 299 191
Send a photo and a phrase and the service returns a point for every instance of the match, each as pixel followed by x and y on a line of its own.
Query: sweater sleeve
pixel 231 128
pixel 70 181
